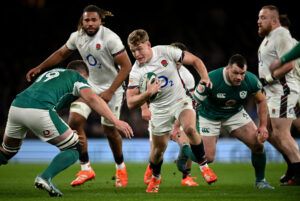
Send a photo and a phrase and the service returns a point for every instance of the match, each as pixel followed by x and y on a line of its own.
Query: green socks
pixel 259 164
pixel 61 161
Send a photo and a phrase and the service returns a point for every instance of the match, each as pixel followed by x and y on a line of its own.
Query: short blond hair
pixel 137 37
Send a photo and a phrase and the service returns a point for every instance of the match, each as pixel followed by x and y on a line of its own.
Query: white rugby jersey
pixel 297 63
pixel 97 52
pixel 187 78
pixel 274 45
pixel 163 64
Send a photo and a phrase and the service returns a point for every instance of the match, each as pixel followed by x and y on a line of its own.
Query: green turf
pixel 235 182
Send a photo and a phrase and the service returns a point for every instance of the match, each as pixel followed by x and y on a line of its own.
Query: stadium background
pixel 214 30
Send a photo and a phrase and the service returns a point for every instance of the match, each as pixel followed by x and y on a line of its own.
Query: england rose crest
pixel 164 63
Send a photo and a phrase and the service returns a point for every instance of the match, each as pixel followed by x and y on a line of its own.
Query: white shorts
pixel 163 119
pixel 213 127
pixel 45 124
pixel 114 104
pixel 282 106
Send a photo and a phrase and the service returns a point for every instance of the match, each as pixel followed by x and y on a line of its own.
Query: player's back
pixel 50 88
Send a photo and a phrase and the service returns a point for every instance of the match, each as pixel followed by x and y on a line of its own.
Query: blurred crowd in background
pixel 214 30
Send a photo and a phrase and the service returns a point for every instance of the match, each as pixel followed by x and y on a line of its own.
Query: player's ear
pixel 148 43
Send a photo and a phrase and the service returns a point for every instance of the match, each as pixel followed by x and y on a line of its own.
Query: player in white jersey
pixel 170 104
pixel 101 49
pixel 281 86
pixel 288 176
pixel 184 164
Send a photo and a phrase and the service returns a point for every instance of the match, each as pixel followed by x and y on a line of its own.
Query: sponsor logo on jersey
pixel 243 94
pixel 164 63
pixel 230 103
pixel 98 46
pixel 221 95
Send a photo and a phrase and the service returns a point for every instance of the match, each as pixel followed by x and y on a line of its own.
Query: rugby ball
pixel 147 77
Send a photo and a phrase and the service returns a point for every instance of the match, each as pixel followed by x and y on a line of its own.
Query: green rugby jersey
pixel 53 89
pixel 224 100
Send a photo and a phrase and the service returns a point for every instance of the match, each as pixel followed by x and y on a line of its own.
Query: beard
pixel 262 32
pixel 91 32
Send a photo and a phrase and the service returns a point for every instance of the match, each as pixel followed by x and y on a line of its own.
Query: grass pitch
pixel 235 183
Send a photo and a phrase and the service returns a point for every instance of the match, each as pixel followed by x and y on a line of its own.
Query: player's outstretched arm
pixel 100 106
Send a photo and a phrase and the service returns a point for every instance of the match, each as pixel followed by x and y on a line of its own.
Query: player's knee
pixel 257 148
pixel 7 152
pixel 71 141
pixel 158 154
pixel 189 131
pixel 76 121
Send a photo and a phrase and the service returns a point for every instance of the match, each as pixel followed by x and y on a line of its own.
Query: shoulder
pixel 282 34
pixel 184 72
pixel 216 76
pixel 168 51
pixel 251 75
pixel 108 33
pixel 252 81
pixel 74 34
pixel 216 73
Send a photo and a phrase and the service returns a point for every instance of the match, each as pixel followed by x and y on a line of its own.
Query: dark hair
pixel 78 65
pixel 92 8
pixel 285 21
pixel 180 45
pixel 237 59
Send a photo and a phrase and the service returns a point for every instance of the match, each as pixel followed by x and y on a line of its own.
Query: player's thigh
pixel 281 127
pixel 246 134
pixel 15 127
pixel 185 113
pixel 161 122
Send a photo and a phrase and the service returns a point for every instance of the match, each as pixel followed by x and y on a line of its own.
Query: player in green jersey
pixel 222 107
pixel 36 108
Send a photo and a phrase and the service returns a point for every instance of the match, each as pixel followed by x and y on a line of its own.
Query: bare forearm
pixel 201 69
pixel 101 107
pixel 262 111
pixel 137 100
